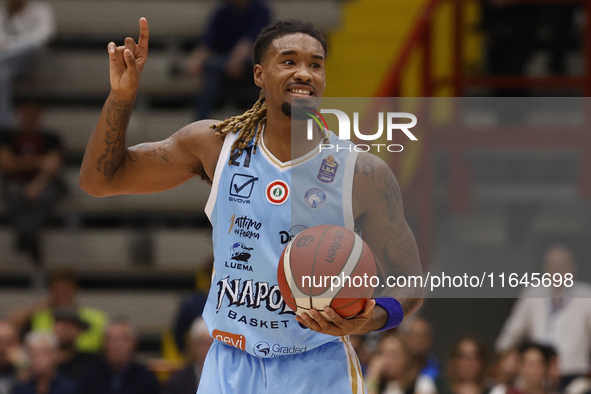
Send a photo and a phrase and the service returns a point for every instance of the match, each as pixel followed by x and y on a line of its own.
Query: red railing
pixel 456 140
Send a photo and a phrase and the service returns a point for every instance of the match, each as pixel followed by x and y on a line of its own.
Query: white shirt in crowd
pixel 423 385
pixel 564 323
pixel 32 27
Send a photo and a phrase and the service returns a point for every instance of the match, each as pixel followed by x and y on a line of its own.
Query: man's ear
pixel 258 76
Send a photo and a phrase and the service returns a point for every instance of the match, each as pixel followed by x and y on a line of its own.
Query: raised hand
pixel 126 62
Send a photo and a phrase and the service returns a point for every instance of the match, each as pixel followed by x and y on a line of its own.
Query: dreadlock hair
pixel 250 124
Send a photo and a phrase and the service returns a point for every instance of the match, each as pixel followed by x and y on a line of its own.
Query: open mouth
pixel 300 92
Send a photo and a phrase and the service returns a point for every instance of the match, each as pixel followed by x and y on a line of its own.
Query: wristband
pixel 394 311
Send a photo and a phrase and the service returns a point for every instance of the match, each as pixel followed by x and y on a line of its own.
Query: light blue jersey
pixel 250 209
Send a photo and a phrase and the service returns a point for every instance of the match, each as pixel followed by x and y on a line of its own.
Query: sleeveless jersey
pixel 255 207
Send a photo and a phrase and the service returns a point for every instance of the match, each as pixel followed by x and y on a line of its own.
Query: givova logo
pixel 344 131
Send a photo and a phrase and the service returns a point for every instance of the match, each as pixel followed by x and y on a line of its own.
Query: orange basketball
pixel 327 266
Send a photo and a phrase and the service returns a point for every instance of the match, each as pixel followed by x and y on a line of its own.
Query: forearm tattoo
pixel 118 114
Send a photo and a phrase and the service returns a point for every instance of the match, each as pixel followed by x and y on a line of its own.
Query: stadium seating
pixel 152 312
pixel 72 78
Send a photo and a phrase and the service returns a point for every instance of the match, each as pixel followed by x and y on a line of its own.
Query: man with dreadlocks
pixel 248 161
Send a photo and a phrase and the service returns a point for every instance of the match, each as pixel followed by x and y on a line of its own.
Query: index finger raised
pixel 144 34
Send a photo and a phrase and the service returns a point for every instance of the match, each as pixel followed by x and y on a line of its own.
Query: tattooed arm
pixel 379 214
pixel 110 167
pixel 377 208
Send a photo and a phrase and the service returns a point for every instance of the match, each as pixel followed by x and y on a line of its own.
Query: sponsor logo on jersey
pixel 236 340
pixel 286 236
pixel 328 170
pixel 304 241
pixel 315 197
pixel 242 253
pixel 334 246
pixel 241 188
pixel 245 227
pixel 251 295
pixel 277 192
pixel 263 349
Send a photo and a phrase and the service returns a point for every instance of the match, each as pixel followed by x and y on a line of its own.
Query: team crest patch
pixel 277 192
pixel 315 197
pixel 328 170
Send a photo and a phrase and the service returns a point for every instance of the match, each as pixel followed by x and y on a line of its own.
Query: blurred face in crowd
pixel 8 341
pixel 553 373
pixel 63 293
pixel 418 337
pixel 120 344
pixel 43 358
pixel 468 364
pixel 559 260
pixel 508 366
pixel 533 368
pixel 396 357
pixel 66 332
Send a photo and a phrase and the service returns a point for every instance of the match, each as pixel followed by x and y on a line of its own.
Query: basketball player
pixel 260 345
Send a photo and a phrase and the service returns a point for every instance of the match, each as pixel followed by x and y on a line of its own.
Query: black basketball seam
pixel 291 270
pixel 292 242
pixel 356 264
pixel 314 262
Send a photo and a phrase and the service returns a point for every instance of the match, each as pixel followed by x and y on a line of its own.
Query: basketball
pixel 326 266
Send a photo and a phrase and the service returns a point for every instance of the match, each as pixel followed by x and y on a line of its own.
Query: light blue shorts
pixel 330 368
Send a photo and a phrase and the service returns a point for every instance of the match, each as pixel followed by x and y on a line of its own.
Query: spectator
pixel 534 370
pixel 555 316
pixel 68 327
pixel 30 163
pixel 11 356
pixel 186 380
pixel 391 370
pixel 191 308
pixel 25 28
pixel 223 58
pixel 119 373
pixel 467 368
pixel 507 367
pixel 360 345
pixel 63 293
pixel 43 376
pixel 419 337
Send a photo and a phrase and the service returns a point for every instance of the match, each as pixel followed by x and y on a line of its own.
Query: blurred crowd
pixel 61 346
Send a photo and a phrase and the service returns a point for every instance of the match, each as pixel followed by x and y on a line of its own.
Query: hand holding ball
pixel 326 266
